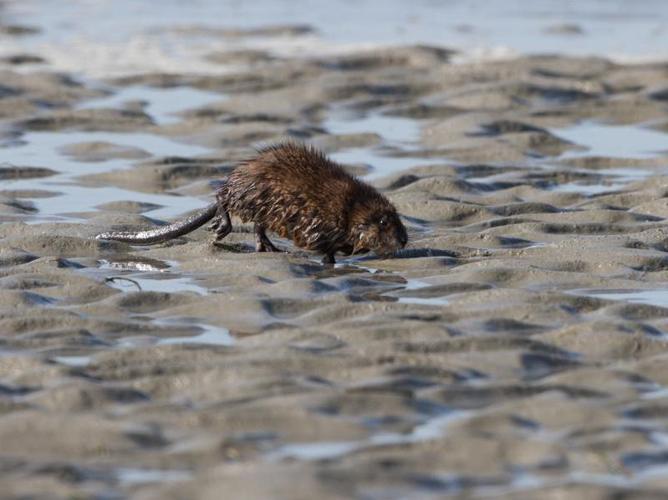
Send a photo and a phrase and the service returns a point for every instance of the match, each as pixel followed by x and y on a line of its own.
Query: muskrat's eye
pixel 382 222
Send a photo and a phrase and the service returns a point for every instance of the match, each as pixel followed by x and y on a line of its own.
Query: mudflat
pixel 517 348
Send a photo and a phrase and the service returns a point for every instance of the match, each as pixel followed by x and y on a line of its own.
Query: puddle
pixel 132 476
pixel 42 149
pixel 618 141
pixel 528 481
pixel 397 132
pixel 158 276
pixel 316 451
pixel 393 129
pixel 650 297
pixel 145 276
pixel 618 179
pixel 162 104
pixel 211 335
pixel 404 296
pixel 78 199
pixel 73 361
pixel 382 165
pixel 167 283
pixel 659 393
pixel 136 263
pixel 432 428
pixel 621 141
pixel 540 244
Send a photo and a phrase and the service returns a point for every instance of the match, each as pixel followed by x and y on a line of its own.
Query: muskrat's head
pixel 376 226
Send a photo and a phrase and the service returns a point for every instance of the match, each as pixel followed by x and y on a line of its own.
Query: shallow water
pixel 651 297
pixel 73 199
pixel 610 141
pixel 73 361
pixel 162 104
pixel 397 133
pixel 614 179
pixel 382 165
pixel 133 477
pixel 157 283
pixel 619 141
pixel 44 149
pixel 395 130
pixel 118 35
pixel 211 335
pixel 133 276
pixel 406 296
pixel 432 428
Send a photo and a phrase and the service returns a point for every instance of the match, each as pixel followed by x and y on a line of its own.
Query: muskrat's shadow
pixel 239 247
pixel 363 263
pixel 408 253
pixel 133 263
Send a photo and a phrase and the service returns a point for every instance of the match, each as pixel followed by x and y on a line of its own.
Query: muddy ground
pixel 517 349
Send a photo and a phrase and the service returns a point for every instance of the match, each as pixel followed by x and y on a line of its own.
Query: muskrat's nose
pixel 402 237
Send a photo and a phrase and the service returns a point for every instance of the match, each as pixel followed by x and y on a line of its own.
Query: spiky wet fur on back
pixel 298 193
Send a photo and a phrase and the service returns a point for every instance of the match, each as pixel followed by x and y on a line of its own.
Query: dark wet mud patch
pixel 152 177
pixel 101 151
pixel 14 206
pixel 90 120
pixel 128 206
pixel 10 172
pixel 21 59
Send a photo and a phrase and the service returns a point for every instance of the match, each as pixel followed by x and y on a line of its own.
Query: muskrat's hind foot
pixel 262 242
pixel 222 226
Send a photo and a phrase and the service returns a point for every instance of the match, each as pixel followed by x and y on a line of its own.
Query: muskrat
pixel 300 194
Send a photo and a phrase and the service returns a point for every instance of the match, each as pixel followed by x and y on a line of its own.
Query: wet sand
pixel 517 349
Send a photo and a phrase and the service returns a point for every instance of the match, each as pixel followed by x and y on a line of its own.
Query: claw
pixel 262 243
pixel 222 226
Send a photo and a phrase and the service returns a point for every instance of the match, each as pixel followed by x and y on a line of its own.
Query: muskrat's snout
pixel 392 237
pixel 402 235
pixel 380 231
pixel 397 241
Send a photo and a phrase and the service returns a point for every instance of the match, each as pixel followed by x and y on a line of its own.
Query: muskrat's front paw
pixel 328 259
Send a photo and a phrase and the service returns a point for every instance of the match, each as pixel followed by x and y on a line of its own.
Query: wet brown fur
pixel 298 193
